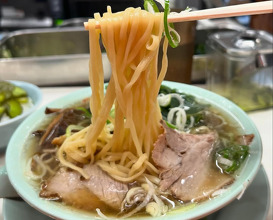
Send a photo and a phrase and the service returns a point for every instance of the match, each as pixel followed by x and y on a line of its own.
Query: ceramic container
pixel 8 127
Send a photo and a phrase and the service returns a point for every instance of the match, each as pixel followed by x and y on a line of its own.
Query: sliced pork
pixel 95 192
pixel 184 161
pixel 245 139
pixel 58 126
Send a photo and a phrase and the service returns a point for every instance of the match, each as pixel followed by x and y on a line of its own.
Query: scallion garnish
pixel 172 36
pixel 150 6
pixel 170 33
pixel 85 111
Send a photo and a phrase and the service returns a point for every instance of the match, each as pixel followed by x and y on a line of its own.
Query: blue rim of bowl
pixel 59 211
pixel 31 87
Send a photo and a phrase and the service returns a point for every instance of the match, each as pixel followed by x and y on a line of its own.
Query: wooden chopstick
pixel 221 12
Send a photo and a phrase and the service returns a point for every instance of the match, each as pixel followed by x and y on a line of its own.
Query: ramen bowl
pixel 18 154
pixel 7 127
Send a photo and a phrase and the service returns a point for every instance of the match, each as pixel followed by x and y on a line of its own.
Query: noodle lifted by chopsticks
pixel 131 39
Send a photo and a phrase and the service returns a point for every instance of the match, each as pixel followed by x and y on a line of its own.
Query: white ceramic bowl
pixel 8 127
pixel 16 158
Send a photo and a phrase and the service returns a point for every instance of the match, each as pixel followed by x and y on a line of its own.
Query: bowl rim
pixel 33 88
pixel 19 180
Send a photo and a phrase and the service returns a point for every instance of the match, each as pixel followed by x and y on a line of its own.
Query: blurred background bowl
pixel 8 127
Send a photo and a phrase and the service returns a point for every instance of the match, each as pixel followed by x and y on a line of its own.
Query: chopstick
pixel 221 12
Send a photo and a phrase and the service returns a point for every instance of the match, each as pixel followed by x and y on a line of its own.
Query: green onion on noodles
pixel 71 128
pixel 172 36
pixel 150 5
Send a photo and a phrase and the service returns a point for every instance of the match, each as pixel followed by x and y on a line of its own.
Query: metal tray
pixel 52 56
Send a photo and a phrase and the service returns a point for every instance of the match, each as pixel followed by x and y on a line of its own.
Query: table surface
pixel 262 119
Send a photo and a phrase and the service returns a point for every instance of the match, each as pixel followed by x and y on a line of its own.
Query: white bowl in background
pixel 9 126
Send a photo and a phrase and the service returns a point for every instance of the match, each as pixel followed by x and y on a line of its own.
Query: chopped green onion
pixel 170 125
pixel 72 128
pixel 86 112
pixel 171 34
pixel 164 100
pixel 150 6
pixel 187 9
pixel 112 112
pixel 234 153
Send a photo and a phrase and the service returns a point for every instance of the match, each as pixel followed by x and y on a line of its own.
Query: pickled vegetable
pixel 18 92
pixel 13 108
pixel 2 97
pixel 23 100
pixel 2 111
pixel 12 98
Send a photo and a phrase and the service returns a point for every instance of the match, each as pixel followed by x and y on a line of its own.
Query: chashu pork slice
pixel 96 192
pixel 185 166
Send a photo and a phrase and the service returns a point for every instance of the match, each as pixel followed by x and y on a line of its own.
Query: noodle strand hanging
pixel 132 46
